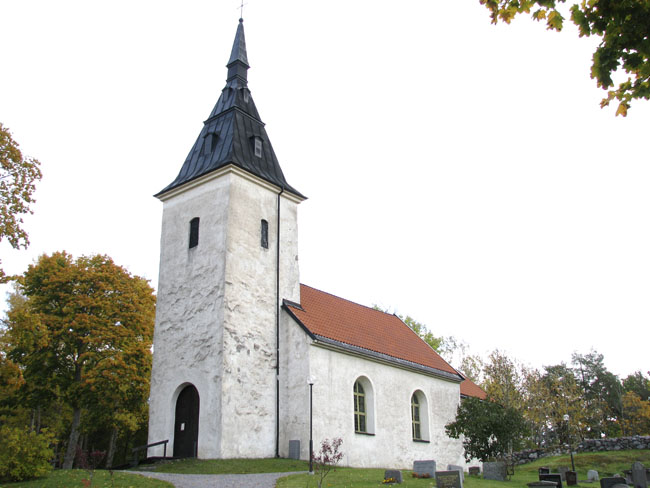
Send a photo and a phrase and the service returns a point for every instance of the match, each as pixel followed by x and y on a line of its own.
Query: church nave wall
pixel 392 444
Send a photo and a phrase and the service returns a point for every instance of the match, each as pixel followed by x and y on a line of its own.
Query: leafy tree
pixel 489 431
pixel 638 384
pixel 37 392
pixel 636 415
pixel 472 367
pixel 602 394
pixel 623 26
pixel 18 176
pixel 24 454
pixel 503 380
pixel 82 324
pixel 11 378
pixel 119 394
pixel 549 396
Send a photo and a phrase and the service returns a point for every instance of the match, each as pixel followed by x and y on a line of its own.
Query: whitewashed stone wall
pixel 215 317
pixel 188 335
pixel 249 380
pixel 392 444
pixel 294 386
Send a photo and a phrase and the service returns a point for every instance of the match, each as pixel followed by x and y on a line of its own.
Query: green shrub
pixel 24 454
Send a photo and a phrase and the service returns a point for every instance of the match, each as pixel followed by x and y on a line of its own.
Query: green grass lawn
pixel 71 478
pixel 606 463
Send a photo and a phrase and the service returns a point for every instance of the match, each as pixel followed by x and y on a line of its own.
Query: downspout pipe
pixel 277 332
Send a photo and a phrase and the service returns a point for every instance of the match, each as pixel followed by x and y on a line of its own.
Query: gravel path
pixel 265 480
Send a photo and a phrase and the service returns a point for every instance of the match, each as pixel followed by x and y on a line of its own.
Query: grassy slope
pixel 69 478
pixel 606 463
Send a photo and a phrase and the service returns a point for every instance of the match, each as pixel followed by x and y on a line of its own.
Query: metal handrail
pixel 136 450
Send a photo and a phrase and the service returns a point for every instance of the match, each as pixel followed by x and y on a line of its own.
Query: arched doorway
pixel 186 423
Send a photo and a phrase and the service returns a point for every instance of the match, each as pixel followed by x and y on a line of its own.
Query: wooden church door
pixel 186 424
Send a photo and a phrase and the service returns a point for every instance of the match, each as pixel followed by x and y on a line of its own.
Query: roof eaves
pixel 465 395
pixel 287 305
pixel 174 188
pixel 378 356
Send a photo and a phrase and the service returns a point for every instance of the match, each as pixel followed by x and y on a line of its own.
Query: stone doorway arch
pixel 186 423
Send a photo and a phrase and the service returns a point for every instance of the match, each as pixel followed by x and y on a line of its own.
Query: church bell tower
pixel 228 257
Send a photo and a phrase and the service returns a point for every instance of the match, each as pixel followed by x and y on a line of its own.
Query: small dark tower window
pixel 265 234
pixel 258 147
pixel 209 143
pixel 194 232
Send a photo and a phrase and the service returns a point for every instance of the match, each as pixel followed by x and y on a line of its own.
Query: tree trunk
pixel 38 420
pixel 71 450
pixel 111 448
pixel 126 446
pixel 57 458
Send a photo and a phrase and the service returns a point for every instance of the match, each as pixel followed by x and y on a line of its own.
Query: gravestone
pixel 474 471
pixel 449 479
pixel 571 478
pixel 639 479
pixel 396 474
pixel 294 449
pixel 544 470
pixel 495 471
pixel 541 484
pixel 425 467
pixel 611 482
pixel 592 475
pixel 563 470
pixel 557 478
pixel 453 467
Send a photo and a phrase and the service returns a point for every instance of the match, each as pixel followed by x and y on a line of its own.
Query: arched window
pixel 364 414
pixel 419 417
pixel 415 418
pixel 360 423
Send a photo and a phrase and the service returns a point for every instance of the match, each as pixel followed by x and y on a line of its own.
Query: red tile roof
pixel 469 388
pixel 341 320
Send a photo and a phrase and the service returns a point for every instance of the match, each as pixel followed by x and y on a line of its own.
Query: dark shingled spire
pixel 234 132
pixel 238 62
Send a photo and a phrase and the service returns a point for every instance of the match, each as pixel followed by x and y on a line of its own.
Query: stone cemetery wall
pixel 620 444
pixel 588 445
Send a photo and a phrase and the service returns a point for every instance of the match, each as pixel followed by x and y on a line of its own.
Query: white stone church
pixel 238 339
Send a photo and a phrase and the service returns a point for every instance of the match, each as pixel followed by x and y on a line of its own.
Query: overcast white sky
pixel 458 172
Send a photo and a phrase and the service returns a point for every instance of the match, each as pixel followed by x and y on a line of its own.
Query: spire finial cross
pixel 241 10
